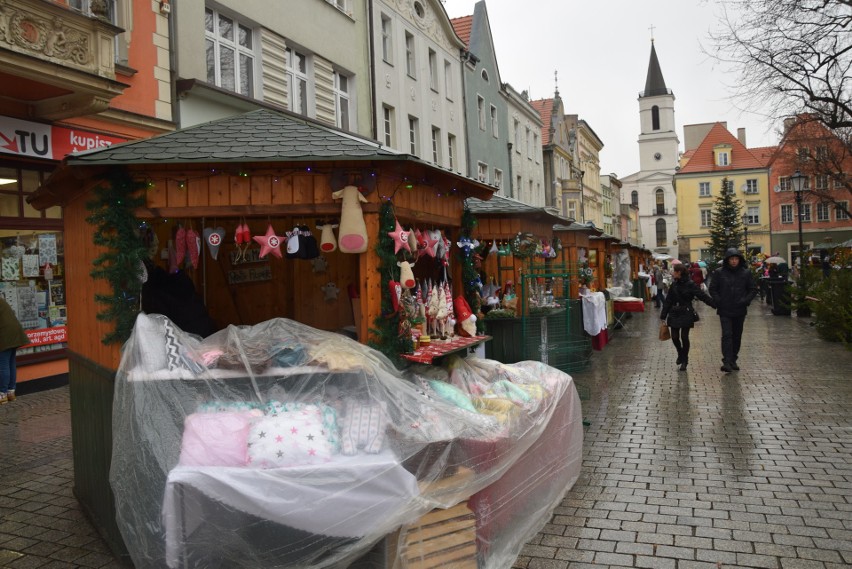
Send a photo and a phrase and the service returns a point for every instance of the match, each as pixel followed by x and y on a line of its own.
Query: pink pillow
pixel 216 439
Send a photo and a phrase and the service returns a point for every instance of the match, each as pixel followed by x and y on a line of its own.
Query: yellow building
pixel 713 154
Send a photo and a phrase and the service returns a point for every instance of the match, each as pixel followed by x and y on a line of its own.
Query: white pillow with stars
pixel 292 438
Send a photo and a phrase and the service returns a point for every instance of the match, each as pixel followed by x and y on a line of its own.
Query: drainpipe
pixel 371 65
pixel 173 71
pixel 511 177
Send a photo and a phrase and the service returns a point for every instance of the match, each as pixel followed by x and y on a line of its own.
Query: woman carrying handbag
pixel 679 313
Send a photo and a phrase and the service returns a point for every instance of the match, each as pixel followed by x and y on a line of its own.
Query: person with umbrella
pixel 678 312
pixel 732 288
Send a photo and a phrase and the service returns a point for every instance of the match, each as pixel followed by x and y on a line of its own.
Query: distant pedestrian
pixel 659 297
pixel 732 288
pixel 678 312
pixel 12 336
pixel 696 274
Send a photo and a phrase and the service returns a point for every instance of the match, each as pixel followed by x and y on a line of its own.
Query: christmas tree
pixel 726 228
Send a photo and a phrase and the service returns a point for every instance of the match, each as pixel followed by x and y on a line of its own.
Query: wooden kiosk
pixel 263 169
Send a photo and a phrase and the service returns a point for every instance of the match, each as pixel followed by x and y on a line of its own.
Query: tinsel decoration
pixel 385 332
pixel 470 276
pixel 116 230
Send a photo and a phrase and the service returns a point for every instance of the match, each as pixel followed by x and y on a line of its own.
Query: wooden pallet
pixel 439 539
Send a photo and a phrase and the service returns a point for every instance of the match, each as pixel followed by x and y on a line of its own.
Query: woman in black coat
pixel 678 312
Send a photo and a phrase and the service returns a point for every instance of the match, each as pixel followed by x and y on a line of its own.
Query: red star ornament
pixel 269 243
pixel 431 245
pixel 400 238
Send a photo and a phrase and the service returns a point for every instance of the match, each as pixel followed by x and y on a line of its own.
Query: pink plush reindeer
pixel 352 236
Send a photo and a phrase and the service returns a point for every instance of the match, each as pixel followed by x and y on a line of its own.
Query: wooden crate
pixel 439 539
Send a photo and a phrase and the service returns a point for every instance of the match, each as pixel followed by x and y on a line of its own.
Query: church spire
pixel 654 82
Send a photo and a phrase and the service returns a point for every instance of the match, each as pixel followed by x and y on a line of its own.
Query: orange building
pixel 74 75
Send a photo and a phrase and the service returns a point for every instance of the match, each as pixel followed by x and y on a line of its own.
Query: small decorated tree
pixel 726 228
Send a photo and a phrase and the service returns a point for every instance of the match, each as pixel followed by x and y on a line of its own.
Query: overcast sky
pixel 601 50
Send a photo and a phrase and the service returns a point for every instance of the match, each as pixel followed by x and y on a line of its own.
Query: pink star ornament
pixel 269 243
pixel 400 238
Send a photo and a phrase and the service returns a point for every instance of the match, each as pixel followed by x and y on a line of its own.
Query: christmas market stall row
pixel 267 321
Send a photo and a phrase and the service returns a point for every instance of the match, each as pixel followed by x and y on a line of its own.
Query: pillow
pixel 452 394
pixel 291 438
pixel 364 426
pixel 148 337
pixel 327 412
pixel 494 405
pixel 216 439
pixel 505 388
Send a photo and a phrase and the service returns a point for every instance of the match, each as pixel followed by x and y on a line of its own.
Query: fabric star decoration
pixel 269 243
pixel 400 238
pixel 430 247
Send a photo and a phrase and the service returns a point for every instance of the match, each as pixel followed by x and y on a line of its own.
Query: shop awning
pixel 502 205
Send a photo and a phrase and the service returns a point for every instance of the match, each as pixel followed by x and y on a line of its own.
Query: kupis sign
pixel 37 140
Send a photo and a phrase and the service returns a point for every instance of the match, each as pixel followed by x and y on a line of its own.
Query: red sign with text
pixel 45 336
pixel 37 140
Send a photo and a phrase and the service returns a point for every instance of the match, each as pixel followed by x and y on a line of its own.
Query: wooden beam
pixel 223 211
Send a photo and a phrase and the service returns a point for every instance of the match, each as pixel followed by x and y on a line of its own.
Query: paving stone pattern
pixel 682 470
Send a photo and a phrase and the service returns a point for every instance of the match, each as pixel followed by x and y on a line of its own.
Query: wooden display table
pixel 438 349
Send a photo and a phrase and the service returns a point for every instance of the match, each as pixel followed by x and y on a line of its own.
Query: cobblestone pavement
pixel 681 470
pixel 698 469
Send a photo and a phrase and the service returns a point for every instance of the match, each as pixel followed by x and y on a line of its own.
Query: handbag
pixel 695 317
pixel 664 332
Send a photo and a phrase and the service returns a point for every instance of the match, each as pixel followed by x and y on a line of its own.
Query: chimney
pixel 741 136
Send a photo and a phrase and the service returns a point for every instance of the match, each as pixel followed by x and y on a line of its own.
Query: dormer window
pixel 722 154
pixel 723 159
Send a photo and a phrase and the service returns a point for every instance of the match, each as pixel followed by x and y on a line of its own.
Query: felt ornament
pixel 352 236
pixel 292 243
pixel 467 245
pixel 466 318
pixel 48 272
pixel 493 247
pixel 429 245
pixel 330 291
pixel 307 244
pixel 395 294
pixel 328 242
pixel 406 276
pixel 213 238
pixel 180 245
pixel 400 238
pixel 319 265
pixel 193 247
pixel 435 235
pixel 242 238
pixel 269 243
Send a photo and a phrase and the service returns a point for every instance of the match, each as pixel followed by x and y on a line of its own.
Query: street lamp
pixel 745 233
pixel 799 183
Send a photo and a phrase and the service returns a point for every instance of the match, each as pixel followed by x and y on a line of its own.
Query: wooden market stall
pixel 271 173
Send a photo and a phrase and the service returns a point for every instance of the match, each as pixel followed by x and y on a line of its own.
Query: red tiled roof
pixel 544 107
pixel 462 27
pixel 702 160
pixel 764 153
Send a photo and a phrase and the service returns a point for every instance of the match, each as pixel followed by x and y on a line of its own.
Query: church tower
pixel 652 188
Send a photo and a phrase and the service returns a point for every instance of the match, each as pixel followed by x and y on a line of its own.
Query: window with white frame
pixel 451 151
pixel 787 213
pixel 298 80
pixel 723 159
pixel 572 209
pixel 703 189
pixel 480 110
pixel 494 129
pixel 498 178
pixel 433 69
pixel 803 154
pixel 839 180
pixel 823 212
pixel 806 212
pixel 785 183
pixel 448 80
pixel 116 13
pixel 482 172
pixel 230 53
pixel 410 62
pixel 517 125
pixel 706 217
pixel 820 182
pixel 436 145
pixel 751 186
pixel 753 215
pixel 387 39
pixel 341 100
pixel 342 5
pixel 388 125
pixel 839 214
pixel 413 135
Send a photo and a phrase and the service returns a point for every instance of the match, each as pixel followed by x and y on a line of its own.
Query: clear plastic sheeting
pixel 279 445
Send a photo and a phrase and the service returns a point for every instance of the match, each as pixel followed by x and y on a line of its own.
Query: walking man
pixel 732 288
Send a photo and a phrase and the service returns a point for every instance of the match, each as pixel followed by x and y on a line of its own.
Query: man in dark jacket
pixel 732 288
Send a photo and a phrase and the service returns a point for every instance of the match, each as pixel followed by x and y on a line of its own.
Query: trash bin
pixel 780 296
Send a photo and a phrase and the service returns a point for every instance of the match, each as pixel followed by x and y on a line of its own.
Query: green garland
pixel 469 272
pixel 116 229
pixel 385 332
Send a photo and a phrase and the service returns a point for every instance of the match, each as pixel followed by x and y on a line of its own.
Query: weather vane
pixel 652 32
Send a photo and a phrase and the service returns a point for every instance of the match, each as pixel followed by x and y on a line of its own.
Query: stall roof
pixel 259 136
pixel 501 205
pixel 574 226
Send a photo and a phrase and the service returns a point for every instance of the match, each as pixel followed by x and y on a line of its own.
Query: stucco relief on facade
pixel 425 19
pixel 42 35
